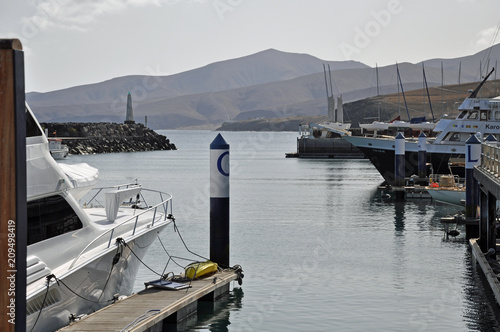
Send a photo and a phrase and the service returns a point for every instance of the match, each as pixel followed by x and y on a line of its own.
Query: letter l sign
pixel 469 155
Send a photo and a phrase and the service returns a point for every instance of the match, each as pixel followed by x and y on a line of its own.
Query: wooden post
pixel 13 206
pixel 492 223
pixel 472 158
pixel 483 221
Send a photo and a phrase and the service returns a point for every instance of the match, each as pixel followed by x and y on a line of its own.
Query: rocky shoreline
pixel 100 137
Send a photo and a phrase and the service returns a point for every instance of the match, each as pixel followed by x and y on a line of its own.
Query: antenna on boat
pixel 427 89
pixel 403 92
pixel 475 92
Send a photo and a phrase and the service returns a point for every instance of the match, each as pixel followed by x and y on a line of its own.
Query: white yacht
pixel 81 258
pixel 477 115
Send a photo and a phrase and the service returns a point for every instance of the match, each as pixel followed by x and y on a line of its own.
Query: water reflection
pixel 481 312
pixel 213 317
pixel 399 218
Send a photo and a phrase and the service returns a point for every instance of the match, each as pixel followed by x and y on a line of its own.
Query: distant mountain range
pixel 268 84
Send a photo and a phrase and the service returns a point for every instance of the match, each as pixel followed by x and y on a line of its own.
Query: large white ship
pixel 477 116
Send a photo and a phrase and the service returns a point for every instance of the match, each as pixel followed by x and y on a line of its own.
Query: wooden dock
pixel 489 266
pixel 151 308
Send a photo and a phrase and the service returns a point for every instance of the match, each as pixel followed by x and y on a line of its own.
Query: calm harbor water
pixel 321 248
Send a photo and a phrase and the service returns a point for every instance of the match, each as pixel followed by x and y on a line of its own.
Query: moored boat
pixel 57 149
pixel 81 257
pixel 447 190
pixel 476 115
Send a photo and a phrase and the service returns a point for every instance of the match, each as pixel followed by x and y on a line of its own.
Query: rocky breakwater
pixel 91 138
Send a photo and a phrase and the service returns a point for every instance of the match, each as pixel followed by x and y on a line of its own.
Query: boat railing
pixel 445 181
pixel 490 157
pixel 161 209
pixel 389 137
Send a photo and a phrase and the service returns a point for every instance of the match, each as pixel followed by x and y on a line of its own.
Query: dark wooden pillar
pixel 492 223
pixel 483 221
pixel 12 187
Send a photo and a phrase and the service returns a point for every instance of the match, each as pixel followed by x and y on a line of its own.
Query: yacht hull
pixel 96 281
pixel 381 154
pixel 448 196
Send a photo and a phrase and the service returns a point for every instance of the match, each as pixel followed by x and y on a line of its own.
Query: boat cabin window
pixel 484 115
pixel 472 115
pixel 49 217
pixel 455 137
pixel 497 115
pixel 461 115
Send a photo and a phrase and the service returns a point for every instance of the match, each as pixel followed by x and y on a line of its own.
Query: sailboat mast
pixel 403 92
pixel 459 72
pixel 378 91
pixel 428 96
pixel 442 88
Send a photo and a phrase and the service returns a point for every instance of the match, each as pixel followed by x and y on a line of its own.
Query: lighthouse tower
pixel 129 119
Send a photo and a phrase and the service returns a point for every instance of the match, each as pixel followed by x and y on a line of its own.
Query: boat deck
pixel 166 305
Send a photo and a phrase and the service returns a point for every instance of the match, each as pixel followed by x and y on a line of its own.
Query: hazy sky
pixel 75 42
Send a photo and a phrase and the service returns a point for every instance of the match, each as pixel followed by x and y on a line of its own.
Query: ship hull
pixel 381 153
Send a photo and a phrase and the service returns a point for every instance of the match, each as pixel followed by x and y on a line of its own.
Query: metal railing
pixel 490 157
pixel 162 207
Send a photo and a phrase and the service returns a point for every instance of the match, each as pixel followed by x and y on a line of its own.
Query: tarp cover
pixel 114 199
pixel 81 175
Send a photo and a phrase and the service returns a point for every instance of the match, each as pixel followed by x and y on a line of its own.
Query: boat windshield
pixel 32 128
pixel 49 217
pixel 484 115
pixel 472 115
pixel 461 115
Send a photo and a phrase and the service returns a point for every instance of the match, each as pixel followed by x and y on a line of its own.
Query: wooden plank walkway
pixel 120 314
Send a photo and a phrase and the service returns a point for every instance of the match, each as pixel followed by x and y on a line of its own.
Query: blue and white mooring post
pixel 422 156
pixel 399 161
pixel 219 201
pixel 472 158
pixel 399 166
